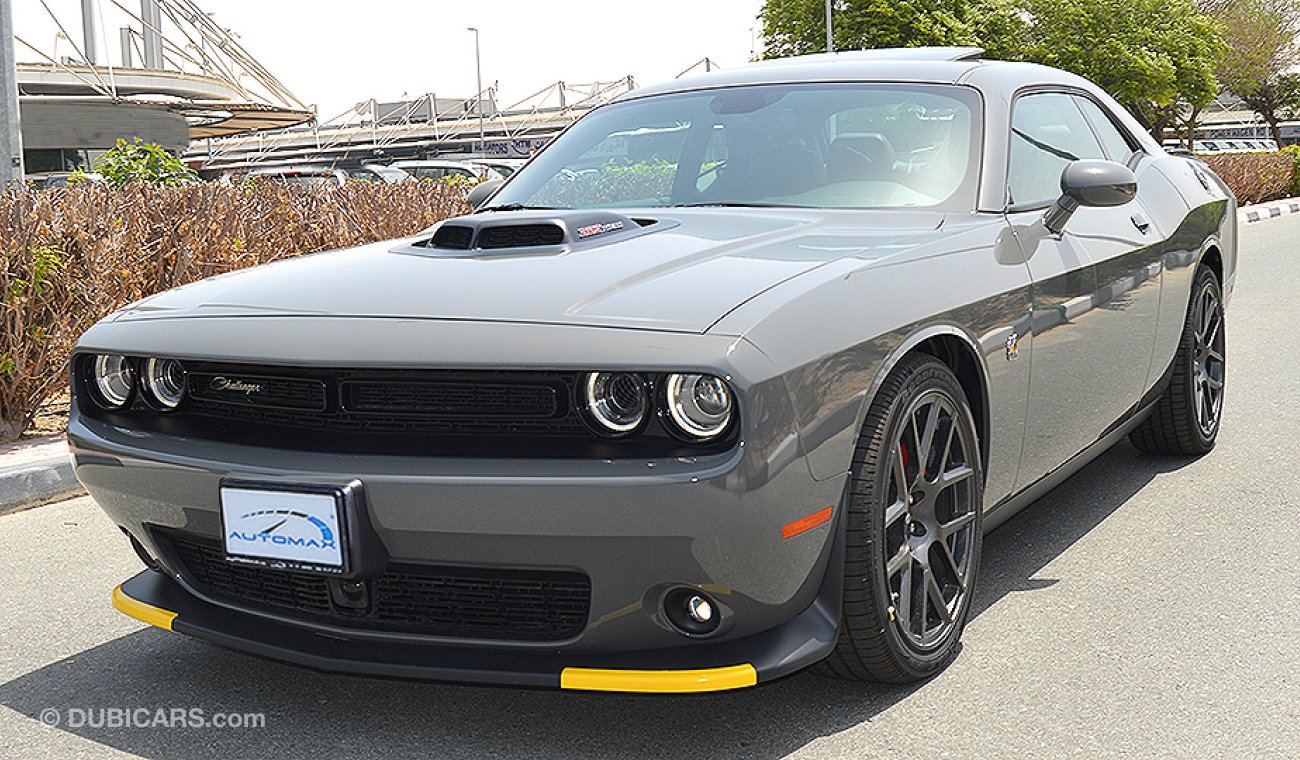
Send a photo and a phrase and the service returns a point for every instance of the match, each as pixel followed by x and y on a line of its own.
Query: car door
pixel 1096 293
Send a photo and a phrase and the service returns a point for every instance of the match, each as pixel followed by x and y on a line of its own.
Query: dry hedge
pixel 69 257
pixel 1254 177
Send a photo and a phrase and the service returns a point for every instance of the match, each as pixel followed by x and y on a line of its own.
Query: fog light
pixel 691 612
pixel 699 609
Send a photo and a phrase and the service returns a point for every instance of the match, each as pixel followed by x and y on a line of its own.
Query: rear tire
pixel 1185 420
pixel 913 535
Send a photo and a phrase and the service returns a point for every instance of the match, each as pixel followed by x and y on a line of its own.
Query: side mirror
pixel 482 191
pixel 1090 183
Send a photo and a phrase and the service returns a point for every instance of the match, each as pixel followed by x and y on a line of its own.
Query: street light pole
pixel 11 136
pixel 830 35
pixel 478 69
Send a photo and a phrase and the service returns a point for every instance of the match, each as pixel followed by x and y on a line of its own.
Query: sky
pixel 336 54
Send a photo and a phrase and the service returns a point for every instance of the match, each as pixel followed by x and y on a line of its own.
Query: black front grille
pixel 450 399
pixel 455 236
pixel 520 235
pixel 455 602
pixel 395 412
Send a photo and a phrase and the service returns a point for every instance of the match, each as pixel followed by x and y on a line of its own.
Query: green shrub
pixel 129 162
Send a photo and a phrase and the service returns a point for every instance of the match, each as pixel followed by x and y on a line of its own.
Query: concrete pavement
pixel 1145 608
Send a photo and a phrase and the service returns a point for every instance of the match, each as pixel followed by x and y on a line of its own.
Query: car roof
pixel 293 170
pixel 435 162
pixel 931 65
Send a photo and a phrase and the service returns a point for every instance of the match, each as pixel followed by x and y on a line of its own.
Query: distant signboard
pixel 523 147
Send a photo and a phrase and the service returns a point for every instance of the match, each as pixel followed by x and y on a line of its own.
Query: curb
pixel 1260 212
pixel 37 483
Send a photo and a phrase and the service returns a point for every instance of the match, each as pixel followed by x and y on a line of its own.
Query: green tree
pixel 796 27
pixel 138 161
pixel 1261 39
pixel 1156 57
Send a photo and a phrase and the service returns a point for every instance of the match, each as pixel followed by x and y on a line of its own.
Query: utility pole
pixel 151 14
pixel 88 31
pixel 830 34
pixel 478 68
pixel 11 136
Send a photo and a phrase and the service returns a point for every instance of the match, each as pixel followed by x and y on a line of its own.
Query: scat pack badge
pixel 598 229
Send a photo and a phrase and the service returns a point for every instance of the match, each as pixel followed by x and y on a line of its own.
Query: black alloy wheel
pixel 914 529
pixel 1185 420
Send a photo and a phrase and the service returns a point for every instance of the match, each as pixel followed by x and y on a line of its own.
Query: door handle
pixel 1141 223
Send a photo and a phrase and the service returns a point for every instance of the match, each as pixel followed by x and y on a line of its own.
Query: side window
pixel 1113 140
pixel 1048 132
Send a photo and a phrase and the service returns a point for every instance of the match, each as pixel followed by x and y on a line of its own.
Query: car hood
pixel 679 271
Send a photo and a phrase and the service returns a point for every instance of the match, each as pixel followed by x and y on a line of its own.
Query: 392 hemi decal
pixel 598 229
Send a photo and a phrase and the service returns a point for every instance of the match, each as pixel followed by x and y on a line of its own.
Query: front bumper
pixel 155 599
pixel 715 524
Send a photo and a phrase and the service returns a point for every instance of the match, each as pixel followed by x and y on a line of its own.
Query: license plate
pixel 287 529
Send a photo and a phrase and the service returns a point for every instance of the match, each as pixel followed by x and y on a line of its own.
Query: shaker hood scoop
pixel 596 268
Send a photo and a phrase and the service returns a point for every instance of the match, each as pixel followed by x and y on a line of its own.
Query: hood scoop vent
pixel 520 235
pixel 455 236
pixel 535 232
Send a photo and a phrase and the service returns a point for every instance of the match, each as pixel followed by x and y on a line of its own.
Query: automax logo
pixel 284 527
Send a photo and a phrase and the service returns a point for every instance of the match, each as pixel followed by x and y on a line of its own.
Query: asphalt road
pixel 1148 607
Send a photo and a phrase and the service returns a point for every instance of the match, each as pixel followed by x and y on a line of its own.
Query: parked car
pixel 741 402
pixel 502 166
pixel 51 180
pixel 299 176
pixel 443 169
pixel 378 173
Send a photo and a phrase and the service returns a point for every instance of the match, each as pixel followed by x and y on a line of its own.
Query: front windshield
pixel 807 145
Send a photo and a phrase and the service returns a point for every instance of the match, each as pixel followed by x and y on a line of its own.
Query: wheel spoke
pixel 927 440
pixel 904 611
pixel 956 524
pixel 955 476
pixel 1213 384
pixel 1212 331
pixel 1215 354
pixel 936 597
pixel 895 511
pixel 952 565
pixel 899 561
pixel 900 474
pixel 947 446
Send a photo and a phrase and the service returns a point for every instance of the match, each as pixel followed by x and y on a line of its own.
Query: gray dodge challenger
pixel 727 382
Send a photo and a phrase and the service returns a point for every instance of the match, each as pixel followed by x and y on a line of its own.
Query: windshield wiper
pixel 734 204
pixel 519 207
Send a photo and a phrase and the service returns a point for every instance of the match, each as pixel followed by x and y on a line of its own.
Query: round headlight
pixel 114 380
pixel 700 406
pixel 165 379
pixel 617 401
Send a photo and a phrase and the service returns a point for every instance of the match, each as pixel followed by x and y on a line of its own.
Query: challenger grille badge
pixel 235 386
pixel 1013 346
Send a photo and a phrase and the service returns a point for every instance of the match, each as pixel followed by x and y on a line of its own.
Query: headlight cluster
pixel 114 380
pixel 694 407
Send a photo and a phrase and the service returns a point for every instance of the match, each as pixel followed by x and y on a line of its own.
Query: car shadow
pixel 309 714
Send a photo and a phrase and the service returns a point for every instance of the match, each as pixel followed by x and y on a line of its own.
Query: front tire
pixel 914 528
pixel 1185 421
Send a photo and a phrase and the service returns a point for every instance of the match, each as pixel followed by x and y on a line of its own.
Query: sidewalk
pixel 34 472
pixel 1271 210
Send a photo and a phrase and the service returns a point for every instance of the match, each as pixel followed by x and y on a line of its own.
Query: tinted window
pixel 1117 147
pixel 810 145
pixel 1048 132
